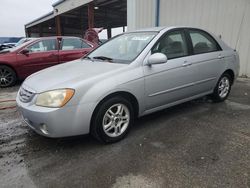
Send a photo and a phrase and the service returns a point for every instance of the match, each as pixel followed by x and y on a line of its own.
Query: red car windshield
pixel 20 46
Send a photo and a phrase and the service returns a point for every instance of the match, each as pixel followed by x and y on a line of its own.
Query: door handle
pixel 186 64
pixel 220 57
pixel 52 55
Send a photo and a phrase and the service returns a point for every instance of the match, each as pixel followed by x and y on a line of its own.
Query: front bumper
pixel 57 122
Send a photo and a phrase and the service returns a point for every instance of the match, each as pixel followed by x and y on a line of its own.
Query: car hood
pixel 69 75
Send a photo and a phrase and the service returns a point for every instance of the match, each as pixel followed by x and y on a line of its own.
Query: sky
pixel 14 14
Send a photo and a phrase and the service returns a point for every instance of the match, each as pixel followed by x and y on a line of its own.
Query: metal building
pixel 228 18
pixel 74 17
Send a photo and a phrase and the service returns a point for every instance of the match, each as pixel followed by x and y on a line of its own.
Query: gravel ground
pixel 196 144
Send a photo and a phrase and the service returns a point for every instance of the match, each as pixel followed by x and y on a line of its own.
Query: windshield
pixel 124 48
pixel 20 46
pixel 23 40
pixel 20 42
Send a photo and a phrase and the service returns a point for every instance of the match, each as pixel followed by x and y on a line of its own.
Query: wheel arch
pixel 127 95
pixel 231 74
pixel 8 65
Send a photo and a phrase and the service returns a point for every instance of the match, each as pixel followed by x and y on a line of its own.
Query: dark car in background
pixel 6 46
pixel 36 54
pixel 8 42
pixel 13 40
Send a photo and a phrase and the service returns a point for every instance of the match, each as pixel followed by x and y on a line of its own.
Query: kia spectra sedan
pixel 131 75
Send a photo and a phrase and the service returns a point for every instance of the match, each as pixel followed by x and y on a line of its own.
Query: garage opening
pixel 105 14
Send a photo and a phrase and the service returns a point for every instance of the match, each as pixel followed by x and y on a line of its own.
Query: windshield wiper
pixel 87 57
pixel 103 58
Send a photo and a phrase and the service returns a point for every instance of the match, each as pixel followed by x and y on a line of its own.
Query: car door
pixel 73 48
pixel 207 60
pixel 40 55
pixel 171 81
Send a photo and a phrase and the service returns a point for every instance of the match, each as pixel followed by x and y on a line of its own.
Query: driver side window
pixel 43 46
pixel 173 45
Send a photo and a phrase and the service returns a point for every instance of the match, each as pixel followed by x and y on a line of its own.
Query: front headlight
pixel 54 99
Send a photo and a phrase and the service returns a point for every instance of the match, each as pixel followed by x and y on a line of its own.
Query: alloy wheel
pixel 6 77
pixel 224 87
pixel 116 120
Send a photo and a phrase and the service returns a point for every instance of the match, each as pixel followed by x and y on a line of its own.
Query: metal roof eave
pixel 58 2
pixel 40 19
pixel 63 6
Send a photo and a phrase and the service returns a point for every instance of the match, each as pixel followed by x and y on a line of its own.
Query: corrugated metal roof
pixel 40 18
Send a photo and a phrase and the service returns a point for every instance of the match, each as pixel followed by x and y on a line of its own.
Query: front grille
pixel 25 95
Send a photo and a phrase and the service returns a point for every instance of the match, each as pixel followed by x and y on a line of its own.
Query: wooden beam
pixel 91 15
pixel 40 30
pixel 109 32
pixel 58 26
pixel 27 33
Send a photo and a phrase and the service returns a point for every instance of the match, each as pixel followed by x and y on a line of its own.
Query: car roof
pixel 55 37
pixel 158 29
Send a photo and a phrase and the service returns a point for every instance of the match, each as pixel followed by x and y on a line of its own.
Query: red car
pixel 37 54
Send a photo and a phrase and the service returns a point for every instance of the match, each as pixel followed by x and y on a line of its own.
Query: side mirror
pixel 25 51
pixel 157 58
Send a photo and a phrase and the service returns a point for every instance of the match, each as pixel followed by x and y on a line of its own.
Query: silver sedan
pixel 131 75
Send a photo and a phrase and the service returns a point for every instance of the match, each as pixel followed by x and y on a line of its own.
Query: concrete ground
pixel 196 144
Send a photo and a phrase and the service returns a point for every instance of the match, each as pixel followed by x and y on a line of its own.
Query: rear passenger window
pixel 173 45
pixel 73 44
pixel 203 42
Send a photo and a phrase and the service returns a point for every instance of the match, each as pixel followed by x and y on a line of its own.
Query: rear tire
pixel 222 89
pixel 112 120
pixel 7 76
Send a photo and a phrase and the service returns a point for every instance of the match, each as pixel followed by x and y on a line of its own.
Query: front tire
pixel 113 120
pixel 7 76
pixel 222 89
